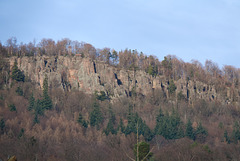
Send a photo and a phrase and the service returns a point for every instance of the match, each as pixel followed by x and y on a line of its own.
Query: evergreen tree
pixel 31 102
pixel 12 107
pixel 85 123
pixel 172 87
pixel 146 132
pixel 2 125
pixel 143 151
pixel 35 120
pixel 189 130
pixel 132 122
pixel 38 107
pixel 169 126
pixel 201 130
pixel 46 102
pixel 201 133
pixel 17 74
pixel 82 121
pixel 21 133
pixel 121 126
pixel 226 136
pixel 236 132
pixel 110 126
pixel 19 91
pixel 160 123
pixel 96 117
pixel 143 129
pixel 150 70
pixel 80 118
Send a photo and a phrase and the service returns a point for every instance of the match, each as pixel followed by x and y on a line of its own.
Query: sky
pixel 190 29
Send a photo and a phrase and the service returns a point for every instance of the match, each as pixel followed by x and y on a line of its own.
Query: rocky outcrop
pixel 77 73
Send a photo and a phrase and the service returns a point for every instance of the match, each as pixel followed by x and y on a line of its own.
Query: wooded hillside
pixel 66 100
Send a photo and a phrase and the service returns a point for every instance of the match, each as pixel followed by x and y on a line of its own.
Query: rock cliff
pixel 77 73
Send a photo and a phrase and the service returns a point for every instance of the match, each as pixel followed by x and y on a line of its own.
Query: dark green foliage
pixel 4 72
pixel 236 133
pixel 169 126
pixel 82 121
pixel 2 125
pixel 85 123
pixel 143 151
pixel 172 87
pixel 102 96
pixel 121 126
pixel 189 130
pixel 201 133
pixel 36 120
pixel 201 130
pixel 39 110
pixel 110 126
pixel 31 102
pixel 226 136
pixel 19 91
pixel 17 74
pixel 135 122
pixel 46 101
pixel 152 70
pixel 80 118
pixel 180 96
pixel 167 63
pixel 96 116
pixel 21 133
pixel 12 107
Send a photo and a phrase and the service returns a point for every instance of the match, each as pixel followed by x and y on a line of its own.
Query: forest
pixel 55 124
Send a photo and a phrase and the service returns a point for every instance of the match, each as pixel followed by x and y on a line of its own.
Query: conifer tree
pixel 17 74
pixel 121 126
pixel 31 102
pixel 236 132
pixel 143 151
pixel 35 120
pixel 189 130
pixel 82 121
pixel 110 126
pixel 2 125
pixel 46 102
pixel 96 116
pixel 226 136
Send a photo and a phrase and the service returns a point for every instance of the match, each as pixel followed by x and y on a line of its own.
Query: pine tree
pixel 17 74
pixel 31 102
pixel 143 151
pixel 80 118
pixel 38 107
pixel 82 121
pixel 150 70
pixel 172 87
pixel 96 117
pixel 35 120
pixel 121 126
pixel 226 136
pixel 236 132
pixel 12 107
pixel 2 125
pixel 201 133
pixel 110 126
pixel 160 123
pixel 46 102
pixel 189 130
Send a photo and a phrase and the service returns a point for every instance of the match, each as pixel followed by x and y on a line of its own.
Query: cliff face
pixel 76 73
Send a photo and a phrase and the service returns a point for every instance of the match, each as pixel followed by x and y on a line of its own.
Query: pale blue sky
pixel 189 29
